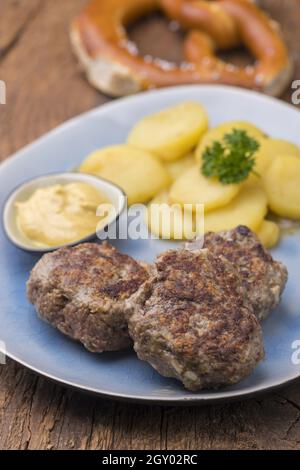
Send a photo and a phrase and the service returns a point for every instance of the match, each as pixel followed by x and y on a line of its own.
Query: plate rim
pixel 111 104
pixel 234 395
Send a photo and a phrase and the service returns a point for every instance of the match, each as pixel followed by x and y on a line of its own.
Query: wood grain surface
pixel 44 88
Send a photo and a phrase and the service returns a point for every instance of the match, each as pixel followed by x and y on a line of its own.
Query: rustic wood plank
pixel 45 87
pixel 44 83
pixel 14 18
pixel 36 414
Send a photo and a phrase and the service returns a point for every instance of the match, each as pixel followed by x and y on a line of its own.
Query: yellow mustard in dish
pixel 60 214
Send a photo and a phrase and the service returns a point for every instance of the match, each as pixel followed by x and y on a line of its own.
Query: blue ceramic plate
pixel 121 375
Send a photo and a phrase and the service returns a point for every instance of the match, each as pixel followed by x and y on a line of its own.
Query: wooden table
pixel 44 88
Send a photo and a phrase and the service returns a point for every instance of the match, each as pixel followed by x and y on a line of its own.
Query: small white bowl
pixel 23 192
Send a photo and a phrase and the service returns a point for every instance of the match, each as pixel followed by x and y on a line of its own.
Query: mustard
pixel 60 214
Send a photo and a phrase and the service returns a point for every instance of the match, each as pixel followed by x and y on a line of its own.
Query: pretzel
pixel 114 66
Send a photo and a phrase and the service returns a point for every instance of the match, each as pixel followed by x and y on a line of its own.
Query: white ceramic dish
pixel 24 191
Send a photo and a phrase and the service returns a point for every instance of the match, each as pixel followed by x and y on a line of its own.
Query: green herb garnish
pixel 232 159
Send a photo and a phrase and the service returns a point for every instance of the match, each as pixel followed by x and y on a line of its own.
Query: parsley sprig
pixel 232 159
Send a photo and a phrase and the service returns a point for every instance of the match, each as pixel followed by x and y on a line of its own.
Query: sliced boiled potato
pixel 171 133
pixel 218 133
pixel 253 180
pixel 268 233
pixel 272 148
pixel 139 173
pixel 195 188
pixel 248 208
pixel 178 167
pixel 268 151
pixel 169 221
pixel 282 185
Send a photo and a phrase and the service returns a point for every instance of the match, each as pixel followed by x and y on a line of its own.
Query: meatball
pixel 82 292
pixel 190 321
pixel 263 278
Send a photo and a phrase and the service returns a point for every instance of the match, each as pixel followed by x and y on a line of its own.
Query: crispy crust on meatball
pixel 263 278
pixel 190 321
pixel 82 291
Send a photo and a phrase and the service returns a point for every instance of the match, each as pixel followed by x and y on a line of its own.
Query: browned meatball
pixel 263 278
pixel 82 291
pixel 190 321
